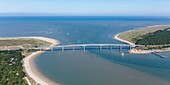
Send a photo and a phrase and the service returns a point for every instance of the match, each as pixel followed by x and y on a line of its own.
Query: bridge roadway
pixel 83 46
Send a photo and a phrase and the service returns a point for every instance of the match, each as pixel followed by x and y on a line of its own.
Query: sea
pixel 91 67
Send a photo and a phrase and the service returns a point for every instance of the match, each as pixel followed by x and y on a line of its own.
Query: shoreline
pixel 125 41
pixel 135 51
pixel 30 66
pixel 132 51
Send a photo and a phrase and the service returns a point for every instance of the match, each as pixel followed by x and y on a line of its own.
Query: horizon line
pixel 59 14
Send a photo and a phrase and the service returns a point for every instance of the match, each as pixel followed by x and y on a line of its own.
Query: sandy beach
pixel 30 67
pixel 119 39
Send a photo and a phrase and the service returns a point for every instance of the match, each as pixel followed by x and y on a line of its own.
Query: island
pixel 17 66
pixel 150 39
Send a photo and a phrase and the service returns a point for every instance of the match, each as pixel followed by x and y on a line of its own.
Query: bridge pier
pixel 120 47
pixel 84 48
pixel 62 48
pixel 100 48
pixel 110 48
pixel 130 47
pixel 73 48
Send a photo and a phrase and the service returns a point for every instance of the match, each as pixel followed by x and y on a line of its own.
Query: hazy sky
pixel 88 7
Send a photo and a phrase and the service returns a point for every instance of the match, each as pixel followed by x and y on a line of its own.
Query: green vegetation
pixel 149 47
pixel 11 70
pixel 160 37
pixel 134 35
pixel 151 35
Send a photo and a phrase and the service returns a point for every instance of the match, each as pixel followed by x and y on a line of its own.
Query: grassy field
pixel 132 35
pixel 18 43
pixel 23 42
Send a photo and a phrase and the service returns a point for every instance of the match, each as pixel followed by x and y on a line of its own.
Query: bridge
pixel 83 47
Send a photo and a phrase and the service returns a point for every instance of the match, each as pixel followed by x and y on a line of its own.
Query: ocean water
pixel 91 67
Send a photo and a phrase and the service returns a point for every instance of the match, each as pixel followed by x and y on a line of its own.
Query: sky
pixel 87 7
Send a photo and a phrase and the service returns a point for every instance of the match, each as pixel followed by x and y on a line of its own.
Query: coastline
pixel 135 51
pixel 125 41
pixel 132 51
pixel 30 67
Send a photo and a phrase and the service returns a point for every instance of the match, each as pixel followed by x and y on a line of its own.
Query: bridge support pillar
pixel 110 48
pixel 62 48
pixel 84 48
pixel 100 48
pixel 130 47
pixel 120 47
pixel 73 48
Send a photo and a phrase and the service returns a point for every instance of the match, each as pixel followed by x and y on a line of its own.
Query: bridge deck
pixel 77 45
pixel 82 46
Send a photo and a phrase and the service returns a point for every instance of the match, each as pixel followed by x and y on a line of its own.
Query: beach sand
pixel 30 66
pixel 119 39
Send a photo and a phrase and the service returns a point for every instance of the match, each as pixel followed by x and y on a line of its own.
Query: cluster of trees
pixel 160 37
pixel 11 70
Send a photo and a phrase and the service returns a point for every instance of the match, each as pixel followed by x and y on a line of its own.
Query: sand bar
pixel 125 41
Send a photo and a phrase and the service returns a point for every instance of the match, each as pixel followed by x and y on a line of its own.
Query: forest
pixel 11 70
pixel 160 37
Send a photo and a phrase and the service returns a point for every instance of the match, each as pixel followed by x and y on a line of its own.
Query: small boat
pixel 123 54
